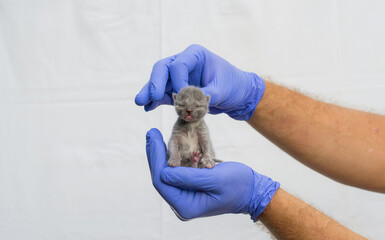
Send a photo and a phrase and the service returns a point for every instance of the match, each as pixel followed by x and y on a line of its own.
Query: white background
pixel 72 141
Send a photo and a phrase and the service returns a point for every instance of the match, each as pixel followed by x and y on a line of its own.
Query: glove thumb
pixel 156 156
pixel 189 178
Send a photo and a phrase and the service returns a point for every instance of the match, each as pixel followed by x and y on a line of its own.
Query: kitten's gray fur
pixel 190 143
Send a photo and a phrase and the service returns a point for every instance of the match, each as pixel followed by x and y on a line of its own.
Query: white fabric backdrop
pixel 72 157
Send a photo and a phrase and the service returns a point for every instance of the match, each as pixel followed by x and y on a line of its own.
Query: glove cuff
pixel 256 91
pixel 263 191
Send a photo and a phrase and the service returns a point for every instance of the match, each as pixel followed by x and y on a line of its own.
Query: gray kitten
pixel 190 144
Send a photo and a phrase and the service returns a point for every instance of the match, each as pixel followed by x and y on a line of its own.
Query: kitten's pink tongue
pixel 188 117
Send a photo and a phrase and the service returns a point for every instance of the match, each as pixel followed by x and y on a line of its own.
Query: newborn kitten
pixel 190 144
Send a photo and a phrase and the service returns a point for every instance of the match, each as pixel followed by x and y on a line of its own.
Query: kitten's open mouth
pixel 188 117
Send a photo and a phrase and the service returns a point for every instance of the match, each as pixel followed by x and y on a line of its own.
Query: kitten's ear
pixel 174 96
pixel 208 98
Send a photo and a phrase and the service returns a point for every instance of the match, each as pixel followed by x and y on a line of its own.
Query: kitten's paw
pixel 174 162
pixel 195 156
pixel 207 162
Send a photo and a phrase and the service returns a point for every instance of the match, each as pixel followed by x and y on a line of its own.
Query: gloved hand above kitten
pixel 232 91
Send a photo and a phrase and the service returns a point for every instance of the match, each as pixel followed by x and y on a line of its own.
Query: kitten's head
pixel 191 104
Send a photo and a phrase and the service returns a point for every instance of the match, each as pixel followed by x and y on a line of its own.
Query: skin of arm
pixel 344 144
pixel 287 217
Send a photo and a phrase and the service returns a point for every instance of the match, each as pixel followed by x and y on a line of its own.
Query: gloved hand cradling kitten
pixel 229 187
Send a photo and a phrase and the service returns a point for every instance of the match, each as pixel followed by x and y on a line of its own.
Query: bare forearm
pixel 287 217
pixel 344 144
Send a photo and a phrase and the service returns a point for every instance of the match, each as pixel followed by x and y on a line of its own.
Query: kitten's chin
pixel 187 118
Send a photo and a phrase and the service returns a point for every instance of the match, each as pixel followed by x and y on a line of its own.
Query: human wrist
pixel 263 190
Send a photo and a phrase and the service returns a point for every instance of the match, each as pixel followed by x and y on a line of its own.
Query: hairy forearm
pixel 344 144
pixel 287 217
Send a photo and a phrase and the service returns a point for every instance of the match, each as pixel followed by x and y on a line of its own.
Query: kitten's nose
pixel 189 111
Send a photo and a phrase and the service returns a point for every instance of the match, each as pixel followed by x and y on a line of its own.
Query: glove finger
pixel 189 178
pixel 143 97
pixel 159 77
pixel 154 104
pixel 184 63
pixel 157 161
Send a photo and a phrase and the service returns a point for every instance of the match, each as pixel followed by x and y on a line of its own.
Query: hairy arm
pixel 344 144
pixel 287 217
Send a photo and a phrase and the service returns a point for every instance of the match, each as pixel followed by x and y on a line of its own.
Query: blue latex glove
pixel 232 91
pixel 229 187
